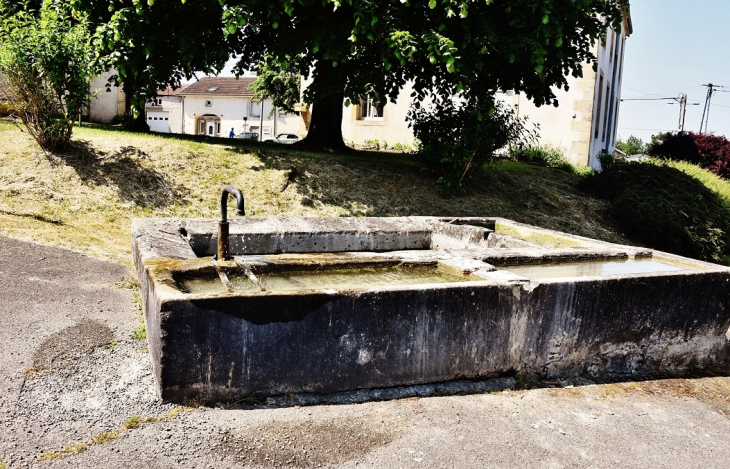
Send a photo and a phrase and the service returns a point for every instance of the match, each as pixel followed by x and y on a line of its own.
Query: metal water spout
pixel 223 240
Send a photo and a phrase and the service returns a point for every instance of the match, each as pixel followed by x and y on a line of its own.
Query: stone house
pixel 582 126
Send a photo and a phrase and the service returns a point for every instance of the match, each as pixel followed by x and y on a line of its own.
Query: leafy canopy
pixel 155 44
pixel 279 80
pixel 356 47
pixel 368 47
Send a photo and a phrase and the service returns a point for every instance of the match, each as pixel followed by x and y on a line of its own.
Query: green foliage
pixel 353 48
pixel 46 58
pixel 457 138
pixel 665 208
pixel 545 155
pixel 278 80
pixel 155 44
pixel 632 146
pixel 139 332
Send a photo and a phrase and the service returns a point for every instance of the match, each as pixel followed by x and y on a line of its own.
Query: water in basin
pixel 201 285
pixel 592 268
pixel 348 278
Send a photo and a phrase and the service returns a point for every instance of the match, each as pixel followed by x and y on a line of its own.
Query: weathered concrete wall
pixel 223 346
pixel 325 342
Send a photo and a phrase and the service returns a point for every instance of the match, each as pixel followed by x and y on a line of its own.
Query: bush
pixel 45 56
pixel 664 208
pixel 457 138
pixel 708 151
pixel 544 155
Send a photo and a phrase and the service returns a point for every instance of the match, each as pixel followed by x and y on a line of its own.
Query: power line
pixel 654 130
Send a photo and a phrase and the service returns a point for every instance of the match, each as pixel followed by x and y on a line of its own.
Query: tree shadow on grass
pixel 125 170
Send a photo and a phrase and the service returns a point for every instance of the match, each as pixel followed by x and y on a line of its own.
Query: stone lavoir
pixel 322 305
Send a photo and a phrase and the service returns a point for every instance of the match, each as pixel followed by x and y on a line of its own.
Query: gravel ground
pixel 78 391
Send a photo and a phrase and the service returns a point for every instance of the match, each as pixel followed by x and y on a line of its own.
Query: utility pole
pixel 682 110
pixel 706 112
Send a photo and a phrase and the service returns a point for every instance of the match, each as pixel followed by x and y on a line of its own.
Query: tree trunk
pixel 325 128
pixel 130 123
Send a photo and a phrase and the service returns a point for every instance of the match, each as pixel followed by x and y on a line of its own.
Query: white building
pixel 582 126
pixel 586 120
pixel 214 105
pixel 164 113
pixel 105 106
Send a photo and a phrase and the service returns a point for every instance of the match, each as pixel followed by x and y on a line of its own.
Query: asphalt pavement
pixel 72 376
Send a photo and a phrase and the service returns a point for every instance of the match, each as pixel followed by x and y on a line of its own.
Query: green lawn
pixel 86 199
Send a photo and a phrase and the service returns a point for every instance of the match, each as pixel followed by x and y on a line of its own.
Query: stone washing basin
pixel 325 305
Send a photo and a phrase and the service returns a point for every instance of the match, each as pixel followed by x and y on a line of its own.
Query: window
pixel 211 90
pixel 208 103
pixel 149 118
pixel 210 129
pixel 254 109
pixel 167 119
pixel 605 117
pixel 370 109
pixel 159 101
pixel 218 130
pixel 201 128
pixel 598 109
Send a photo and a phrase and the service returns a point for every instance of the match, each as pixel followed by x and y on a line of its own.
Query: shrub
pixel 708 151
pixel 545 155
pixel 45 56
pixel 455 138
pixel 664 208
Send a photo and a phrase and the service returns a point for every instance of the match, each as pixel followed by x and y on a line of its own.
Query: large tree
pixel 353 48
pixel 155 44
pixel 367 47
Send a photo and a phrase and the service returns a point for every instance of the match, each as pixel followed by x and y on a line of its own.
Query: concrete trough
pixel 359 303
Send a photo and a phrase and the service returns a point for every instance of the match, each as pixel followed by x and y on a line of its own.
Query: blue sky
pixel 676 47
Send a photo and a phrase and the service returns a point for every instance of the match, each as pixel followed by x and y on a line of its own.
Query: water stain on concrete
pixel 305 444
pixel 63 348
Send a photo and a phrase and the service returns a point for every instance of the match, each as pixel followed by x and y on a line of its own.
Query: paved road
pixel 69 372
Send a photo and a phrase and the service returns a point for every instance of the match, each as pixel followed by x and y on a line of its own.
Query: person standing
pixel 232 133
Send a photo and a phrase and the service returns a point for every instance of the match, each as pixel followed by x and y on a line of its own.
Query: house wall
pixel 105 106
pixel 231 110
pixel 171 105
pixel 393 128
pixel 577 125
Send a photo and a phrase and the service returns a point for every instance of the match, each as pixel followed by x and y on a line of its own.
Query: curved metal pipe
pixel 240 210
pixel 223 241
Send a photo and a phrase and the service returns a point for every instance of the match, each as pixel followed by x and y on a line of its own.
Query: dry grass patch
pixel 85 200
pixel 134 421
pixel 714 392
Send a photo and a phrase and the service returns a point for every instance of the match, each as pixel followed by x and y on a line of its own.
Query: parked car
pixel 248 136
pixel 283 138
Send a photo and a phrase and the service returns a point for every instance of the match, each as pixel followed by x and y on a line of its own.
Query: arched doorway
pixel 208 124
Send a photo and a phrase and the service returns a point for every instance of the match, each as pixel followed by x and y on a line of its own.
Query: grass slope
pixel 86 199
